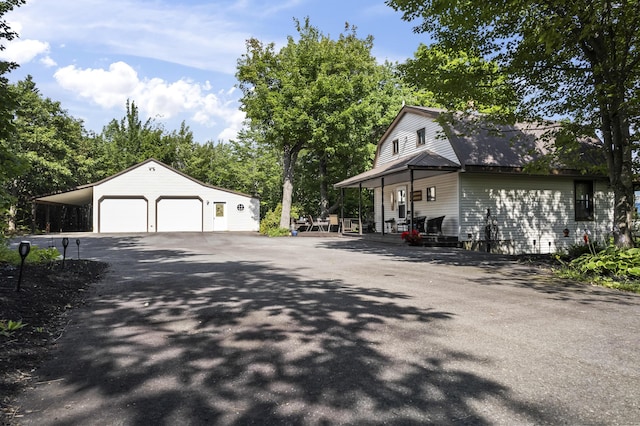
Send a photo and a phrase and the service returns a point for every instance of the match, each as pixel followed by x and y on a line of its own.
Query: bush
pixel 611 262
pixel 270 224
pixel 36 255
pixel 576 250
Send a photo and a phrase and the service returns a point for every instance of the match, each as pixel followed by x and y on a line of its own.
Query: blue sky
pixel 175 58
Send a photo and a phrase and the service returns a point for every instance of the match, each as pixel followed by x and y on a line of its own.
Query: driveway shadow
pixel 499 270
pixel 175 339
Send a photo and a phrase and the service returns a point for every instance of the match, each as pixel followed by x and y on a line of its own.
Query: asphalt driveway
pixel 240 329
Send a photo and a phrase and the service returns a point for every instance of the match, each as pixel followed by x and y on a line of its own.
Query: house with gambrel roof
pixel 474 180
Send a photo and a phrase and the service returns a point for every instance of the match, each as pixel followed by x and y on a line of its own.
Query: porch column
pixel 33 217
pixel 360 208
pixel 341 225
pixel 382 201
pixel 411 192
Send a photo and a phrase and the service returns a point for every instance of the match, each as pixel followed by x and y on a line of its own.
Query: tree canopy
pixel 9 163
pixel 579 60
pixel 316 97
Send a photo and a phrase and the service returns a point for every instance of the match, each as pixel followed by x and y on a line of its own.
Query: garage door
pixel 123 215
pixel 179 215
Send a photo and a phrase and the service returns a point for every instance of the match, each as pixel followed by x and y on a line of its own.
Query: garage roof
pixel 82 195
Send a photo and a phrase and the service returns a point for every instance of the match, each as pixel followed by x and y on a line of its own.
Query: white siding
pixel 529 209
pixel 446 203
pixel 406 133
pixel 155 181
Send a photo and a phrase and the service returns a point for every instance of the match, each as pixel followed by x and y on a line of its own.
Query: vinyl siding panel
pixel 531 211
pixel 406 134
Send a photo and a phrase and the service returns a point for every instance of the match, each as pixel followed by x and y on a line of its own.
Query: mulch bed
pixel 47 293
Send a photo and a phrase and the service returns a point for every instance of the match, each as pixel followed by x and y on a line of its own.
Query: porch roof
pixel 424 164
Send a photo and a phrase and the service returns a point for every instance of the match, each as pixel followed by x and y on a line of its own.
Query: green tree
pixel 128 141
pixel 315 96
pixel 578 59
pixel 243 165
pixel 10 165
pixel 51 145
pixel 460 81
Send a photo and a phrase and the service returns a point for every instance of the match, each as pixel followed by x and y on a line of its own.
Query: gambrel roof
pixel 478 146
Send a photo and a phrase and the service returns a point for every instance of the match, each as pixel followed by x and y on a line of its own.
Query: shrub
pixel 36 255
pixel 577 250
pixel 412 237
pixel 270 224
pixel 611 262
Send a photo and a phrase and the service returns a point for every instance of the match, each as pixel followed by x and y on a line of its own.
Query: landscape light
pixel 23 249
pixel 78 244
pixel 65 244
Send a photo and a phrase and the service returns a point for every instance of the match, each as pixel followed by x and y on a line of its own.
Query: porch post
pixel 411 195
pixel 33 217
pixel 382 201
pixel 360 208
pixel 341 226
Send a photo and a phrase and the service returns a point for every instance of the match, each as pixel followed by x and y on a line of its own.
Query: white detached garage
pixel 153 197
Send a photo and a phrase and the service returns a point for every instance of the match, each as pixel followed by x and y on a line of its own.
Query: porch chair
pixel 434 226
pixel 310 225
pixel 333 221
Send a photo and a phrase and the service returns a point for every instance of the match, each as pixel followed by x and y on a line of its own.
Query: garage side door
pixel 179 215
pixel 123 215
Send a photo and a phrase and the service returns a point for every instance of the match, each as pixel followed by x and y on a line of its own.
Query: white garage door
pixel 179 215
pixel 123 215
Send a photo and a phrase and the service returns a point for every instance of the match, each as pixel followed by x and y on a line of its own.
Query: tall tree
pixel 129 140
pixel 10 166
pixel 579 59
pixel 460 81
pixel 51 145
pixel 315 94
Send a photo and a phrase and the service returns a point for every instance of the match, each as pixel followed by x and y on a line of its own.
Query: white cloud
pixel 209 36
pixel 24 51
pixel 48 62
pixel 155 97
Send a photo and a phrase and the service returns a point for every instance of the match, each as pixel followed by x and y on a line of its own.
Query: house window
pixel 431 193
pixel 219 210
pixel 396 146
pixel 402 203
pixel 420 140
pixel 584 199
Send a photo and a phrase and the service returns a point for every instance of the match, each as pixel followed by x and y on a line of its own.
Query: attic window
pixel 584 200
pixel 421 139
pixel 396 146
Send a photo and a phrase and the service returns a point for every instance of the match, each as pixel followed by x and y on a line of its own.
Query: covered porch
pixel 396 196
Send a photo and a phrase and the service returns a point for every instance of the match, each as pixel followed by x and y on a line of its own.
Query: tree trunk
pixel 11 219
pixel 290 157
pixel 616 135
pixel 622 182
